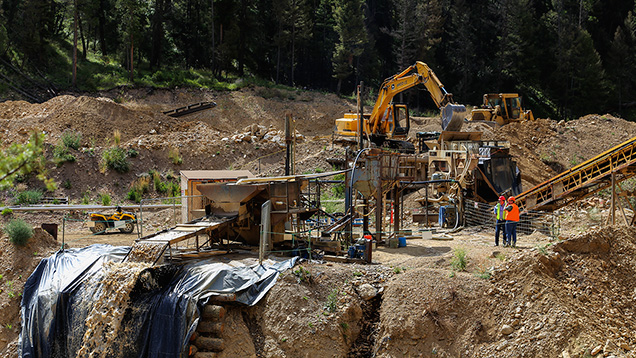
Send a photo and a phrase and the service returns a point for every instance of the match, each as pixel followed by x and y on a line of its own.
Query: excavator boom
pixel 419 73
pixel 383 122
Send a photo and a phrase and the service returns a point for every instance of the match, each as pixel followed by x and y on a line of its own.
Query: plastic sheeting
pixel 162 311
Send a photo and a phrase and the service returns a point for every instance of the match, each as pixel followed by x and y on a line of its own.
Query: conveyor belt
pixel 582 180
pixel 150 248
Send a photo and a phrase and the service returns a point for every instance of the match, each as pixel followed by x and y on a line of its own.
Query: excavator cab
pixel 401 123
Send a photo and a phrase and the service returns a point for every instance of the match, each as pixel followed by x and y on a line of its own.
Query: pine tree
pixel 352 38
pixel 417 27
pixel 622 62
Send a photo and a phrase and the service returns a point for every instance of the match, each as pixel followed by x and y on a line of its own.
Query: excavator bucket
pixel 453 117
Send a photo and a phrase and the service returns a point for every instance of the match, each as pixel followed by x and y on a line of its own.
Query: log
pixel 213 312
pixel 210 327
pixel 210 344
pixel 223 297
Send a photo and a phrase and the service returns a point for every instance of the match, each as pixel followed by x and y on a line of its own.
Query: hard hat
pixel 502 198
pixel 511 199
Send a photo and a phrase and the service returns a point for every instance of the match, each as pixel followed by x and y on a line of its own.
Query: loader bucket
pixel 453 117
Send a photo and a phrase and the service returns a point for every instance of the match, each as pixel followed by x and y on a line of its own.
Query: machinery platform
pixel 180 240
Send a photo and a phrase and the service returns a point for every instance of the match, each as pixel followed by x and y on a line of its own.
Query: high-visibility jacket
pixel 513 212
pixel 500 212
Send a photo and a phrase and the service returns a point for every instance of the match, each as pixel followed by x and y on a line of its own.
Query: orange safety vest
pixel 513 214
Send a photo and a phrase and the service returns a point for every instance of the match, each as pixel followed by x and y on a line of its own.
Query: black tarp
pixel 163 308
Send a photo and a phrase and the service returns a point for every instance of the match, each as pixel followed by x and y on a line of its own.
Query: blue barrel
pixel 401 242
pixel 352 252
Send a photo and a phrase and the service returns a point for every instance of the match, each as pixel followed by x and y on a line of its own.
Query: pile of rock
pixel 257 133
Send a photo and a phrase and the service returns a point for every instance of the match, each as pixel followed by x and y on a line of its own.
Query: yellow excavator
pixel 388 124
pixel 500 109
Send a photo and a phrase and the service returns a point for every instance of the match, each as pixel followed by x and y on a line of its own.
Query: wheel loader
pixel 500 109
pixel 123 220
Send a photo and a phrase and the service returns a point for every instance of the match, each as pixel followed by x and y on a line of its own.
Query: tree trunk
pixel 131 57
pixel 293 50
pixel 213 50
pixel 157 34
pixel 75 45
pixel 83 38
pixel 102 27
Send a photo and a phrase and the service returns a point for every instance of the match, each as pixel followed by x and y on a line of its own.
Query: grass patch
pixel 543 249
pixel 483 272
pixel 105 199
pixel 7 211
pixel 175 156
pixel 61 154
pixel 138 188
pixel 332 301
pixel 115 158
pixel 86 198
pixel 72 140
pixel 459 260
pixel 19 232
pixel 28 197
pixel 302 274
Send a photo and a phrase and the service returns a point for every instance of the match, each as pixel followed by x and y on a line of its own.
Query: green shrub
pixel 67 184
pixel 86 198
pixel 7 212
pixel 460 260
pixel 71 139
pixel 62 154
pixel 332 301
pixel 132 153
pixel 138 188
pixel 160 186
pixel 19 232
pixel 302 274
pixel 105 199
pixel 28 197
pixel 174 189
pixel 115 158
pixel 134 195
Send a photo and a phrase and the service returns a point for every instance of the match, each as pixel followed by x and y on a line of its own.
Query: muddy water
pixel 110 290
pixel 145 252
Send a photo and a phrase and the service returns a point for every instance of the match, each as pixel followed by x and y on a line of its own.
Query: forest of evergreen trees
pixel 566 57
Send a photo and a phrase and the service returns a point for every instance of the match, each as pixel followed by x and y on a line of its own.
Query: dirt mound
pixel 575 297
pixel 95 118
pixel 314 113
pixel 544 148
pixel 16 264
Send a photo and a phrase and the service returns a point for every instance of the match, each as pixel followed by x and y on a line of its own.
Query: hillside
pixel 569 298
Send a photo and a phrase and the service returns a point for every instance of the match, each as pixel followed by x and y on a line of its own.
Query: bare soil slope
pixel 571 299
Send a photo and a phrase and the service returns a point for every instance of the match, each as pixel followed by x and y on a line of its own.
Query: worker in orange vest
pixel 512 218
pixel 500 216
